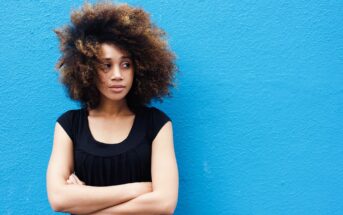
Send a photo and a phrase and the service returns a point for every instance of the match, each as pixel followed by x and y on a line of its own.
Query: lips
pixel 116 86
pixel 117 89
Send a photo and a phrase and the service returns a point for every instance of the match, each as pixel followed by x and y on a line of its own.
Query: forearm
pixel 149 203
pixel 87 199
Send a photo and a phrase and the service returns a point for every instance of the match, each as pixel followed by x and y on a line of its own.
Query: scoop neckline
pixel 133 127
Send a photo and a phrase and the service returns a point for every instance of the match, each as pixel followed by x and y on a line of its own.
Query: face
pixel 116 77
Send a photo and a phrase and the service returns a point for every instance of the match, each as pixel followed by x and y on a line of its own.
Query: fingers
pixel 73 179
pixel 77 179
pixel 70 181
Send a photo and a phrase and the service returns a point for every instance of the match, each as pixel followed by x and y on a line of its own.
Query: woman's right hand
pixel 73 179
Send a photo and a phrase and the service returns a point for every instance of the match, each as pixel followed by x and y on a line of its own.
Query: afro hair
pixel 127 27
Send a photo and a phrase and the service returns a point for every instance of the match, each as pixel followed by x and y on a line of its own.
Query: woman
pixel 114 155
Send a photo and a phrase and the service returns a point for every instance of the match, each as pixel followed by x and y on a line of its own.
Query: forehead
pixel 110 50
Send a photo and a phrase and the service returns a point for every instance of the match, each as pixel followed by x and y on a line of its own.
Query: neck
pixel 110 108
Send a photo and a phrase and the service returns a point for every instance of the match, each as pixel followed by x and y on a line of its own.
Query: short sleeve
pixel 66 121
pixel 159 118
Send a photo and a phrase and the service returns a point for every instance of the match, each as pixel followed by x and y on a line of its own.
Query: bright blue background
pixel 257 114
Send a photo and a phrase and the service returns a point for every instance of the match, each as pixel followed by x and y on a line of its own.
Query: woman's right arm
pixel 81 199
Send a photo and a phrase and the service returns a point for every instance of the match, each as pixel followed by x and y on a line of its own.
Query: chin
pixel 109 95
pixel 116 97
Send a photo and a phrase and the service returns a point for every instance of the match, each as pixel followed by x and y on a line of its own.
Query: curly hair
pixel 127 27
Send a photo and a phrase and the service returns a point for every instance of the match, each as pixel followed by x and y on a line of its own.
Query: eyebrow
pixel 122 57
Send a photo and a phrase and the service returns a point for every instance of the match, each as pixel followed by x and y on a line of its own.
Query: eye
pixel 127 65
pixel 106 66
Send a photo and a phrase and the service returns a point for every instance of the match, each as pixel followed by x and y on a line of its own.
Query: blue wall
pixel 258 111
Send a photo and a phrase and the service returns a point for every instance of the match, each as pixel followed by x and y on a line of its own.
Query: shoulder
pixel 157 118
pixel 71 113
pixel 158 114
pixel 68 121
pixel 68 112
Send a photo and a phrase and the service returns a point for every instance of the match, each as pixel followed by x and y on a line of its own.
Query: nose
pixel 116 73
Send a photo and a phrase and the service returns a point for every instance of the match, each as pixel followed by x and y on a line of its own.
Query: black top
pixel 104 164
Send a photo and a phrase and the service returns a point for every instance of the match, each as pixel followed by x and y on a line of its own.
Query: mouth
pixel 117 88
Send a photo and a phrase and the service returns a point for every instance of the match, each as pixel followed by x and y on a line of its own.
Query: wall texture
pixel 258 111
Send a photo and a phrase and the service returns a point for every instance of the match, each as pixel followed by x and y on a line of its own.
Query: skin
pixel 118 70
pixel 67 193
pixel 113 115
pixel 113 107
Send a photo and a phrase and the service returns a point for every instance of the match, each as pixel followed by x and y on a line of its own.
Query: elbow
pixel 170 208
pixel 56 203
pixel 59 205
pixel 169 205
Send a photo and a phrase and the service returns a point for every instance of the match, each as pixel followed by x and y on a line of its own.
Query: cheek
pixel 101 80
pixel 100 84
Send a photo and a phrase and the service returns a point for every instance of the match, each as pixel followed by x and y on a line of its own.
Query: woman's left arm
pixel 165 180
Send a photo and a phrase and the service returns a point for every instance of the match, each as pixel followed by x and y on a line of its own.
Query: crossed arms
pixel 66 193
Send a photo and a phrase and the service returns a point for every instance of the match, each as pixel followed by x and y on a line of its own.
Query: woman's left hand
pixel 73 179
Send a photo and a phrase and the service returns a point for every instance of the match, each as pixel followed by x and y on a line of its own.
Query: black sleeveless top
pixel 103 164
